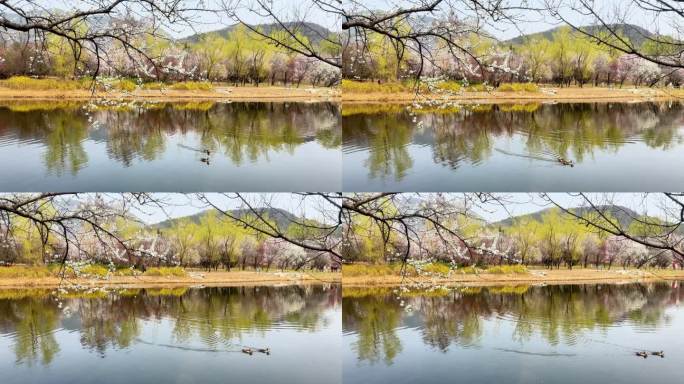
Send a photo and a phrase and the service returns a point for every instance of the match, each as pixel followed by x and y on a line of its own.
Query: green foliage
pixel 438 268
pixel 469 270
pixel 29 83
pixel 125 272
pixel 192 86
pixel 165 272
pixel 518 87
pixel 451 86
pixel 21 271
pixel 154 86
pixel 95 270
pixel 477 88
pixel 125 85
pixel 373 87
pixel 507 269
pixel 128 85
pixel 371 269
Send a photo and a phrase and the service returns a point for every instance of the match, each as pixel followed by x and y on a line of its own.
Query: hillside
pixel 622 214
pixel 635 33
pixel 282 217
pixel 314 32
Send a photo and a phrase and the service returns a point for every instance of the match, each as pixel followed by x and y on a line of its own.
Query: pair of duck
pixel 644 354
pixel 206 159
pixel 250 351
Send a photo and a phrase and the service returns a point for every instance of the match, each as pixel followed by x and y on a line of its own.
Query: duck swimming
pixel 642 354
pixel 658 353
pixel 264 350
pixel 247 351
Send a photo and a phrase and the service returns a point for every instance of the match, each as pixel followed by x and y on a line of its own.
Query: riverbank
pixel 224 93
pixel 546 94
pixel 191 278
pixel 531 277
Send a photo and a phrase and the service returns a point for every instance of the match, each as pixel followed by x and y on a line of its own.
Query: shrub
pixel 192 86
pixel 370 269
pixel 22 271
pixel 95 270
pixel 451 86
pixel 165 271
pixel 440 268
pixel 29 83
pixel 477 88
pixel 502 269
pixel 373 87
pixel 124 272
pixel 125 85
pixel 154 86
pixel 469 270
pixel 518 87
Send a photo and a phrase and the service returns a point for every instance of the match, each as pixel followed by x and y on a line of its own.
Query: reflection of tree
pixel 32 320
pixel 214 316
pixel 375 319
pixel 555 313
pixel 387 137
pixel 64 143
pixel 61 130
pixel 574 131
pixel 240 131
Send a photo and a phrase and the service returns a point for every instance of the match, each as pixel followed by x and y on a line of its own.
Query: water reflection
pixel 518 327
pixel 512 147
pixel 46 332
pixel 62 145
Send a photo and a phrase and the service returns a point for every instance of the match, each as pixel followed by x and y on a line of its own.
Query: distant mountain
pixel 622 214
pixel 314 32
pixel 281 217
pixel 636 34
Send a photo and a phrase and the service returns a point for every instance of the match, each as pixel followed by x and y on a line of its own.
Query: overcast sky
pixel 529 21
pixel 178 205
pixel 526 21
pixel 524 203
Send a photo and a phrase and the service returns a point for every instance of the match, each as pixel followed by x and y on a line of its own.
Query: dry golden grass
pixel 533 276
pixel 193 92
pixel 519 94
pixel 192 277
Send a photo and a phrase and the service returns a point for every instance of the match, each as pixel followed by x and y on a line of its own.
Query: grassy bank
pixel 48 88
pixel 438 87
pixel 515 92
pixel 372 275
pixel 96 275
pixel 350 109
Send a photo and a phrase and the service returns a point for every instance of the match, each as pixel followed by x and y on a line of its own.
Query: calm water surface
pixel 56 146
pixel 172 336
pixel 515 148
pixel 553 334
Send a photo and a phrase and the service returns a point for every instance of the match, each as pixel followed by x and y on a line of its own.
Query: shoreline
pixel 193 278
pixel 219 93
pixel 548 94
pixel 533 277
